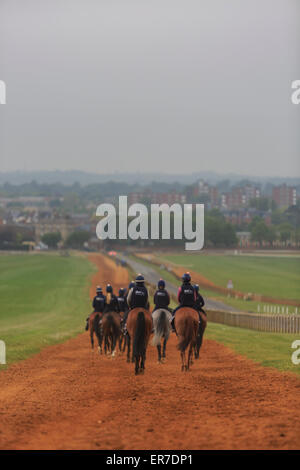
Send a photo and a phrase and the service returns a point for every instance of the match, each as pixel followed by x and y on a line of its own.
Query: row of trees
pixel 74 240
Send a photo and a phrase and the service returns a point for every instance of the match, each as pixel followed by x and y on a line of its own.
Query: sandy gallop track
pixel 68 397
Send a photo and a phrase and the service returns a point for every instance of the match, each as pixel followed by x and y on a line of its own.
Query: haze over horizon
pixel 152 87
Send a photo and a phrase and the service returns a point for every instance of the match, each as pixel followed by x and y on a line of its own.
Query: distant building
pixel 156 198
pixel 239 196
pixel 284 196
pixel 210 193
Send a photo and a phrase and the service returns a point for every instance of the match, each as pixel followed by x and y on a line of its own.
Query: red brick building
pixel 284 196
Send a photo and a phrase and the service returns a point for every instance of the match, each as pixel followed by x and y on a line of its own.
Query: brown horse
pixel 91 328
pixel 109 330
pixel 139 327
pixel 122 339
pixel 186 325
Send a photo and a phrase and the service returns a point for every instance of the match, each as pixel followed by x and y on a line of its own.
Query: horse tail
pixel 96 325
pixel 161 328
pixel 139 335
pixel 188 334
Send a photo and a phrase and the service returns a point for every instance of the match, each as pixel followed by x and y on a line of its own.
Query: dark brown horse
pixel 122 339
pixel 109 330
pixel 139 327
pixel 91 328
pixel 186 325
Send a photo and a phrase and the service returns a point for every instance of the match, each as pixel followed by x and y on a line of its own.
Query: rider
pixel 138 294
pixel 111 300
pixel 186 295
pixel 199 303
pixel 161 296
pixel 98 304
pixel 122 300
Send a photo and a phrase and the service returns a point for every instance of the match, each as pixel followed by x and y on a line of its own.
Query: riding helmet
pixel 196 287
pixel 109 288
pixel 122 291
pixel 186 277
pixel 99 290
pixel 139 279
pixel 131 285
pixel 161 284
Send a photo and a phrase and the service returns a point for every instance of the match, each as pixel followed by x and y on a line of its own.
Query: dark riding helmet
pixel 139 279
pixel 99 290
pixel 196 287
pixel 186 277
pixel 131 285
pixel 161 284
pixel 109 288
pixel 122 291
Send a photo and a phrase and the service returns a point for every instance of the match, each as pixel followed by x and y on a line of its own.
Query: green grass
pixel 270 276
pixel 267 349
pixel 239 304
pixel 44 300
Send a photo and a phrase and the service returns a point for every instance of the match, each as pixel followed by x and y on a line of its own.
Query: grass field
pixel 44 300
pixel 274 277
pixel 267 349
pixel 239 304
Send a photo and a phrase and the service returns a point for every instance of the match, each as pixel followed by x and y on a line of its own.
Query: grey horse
pixel 162 327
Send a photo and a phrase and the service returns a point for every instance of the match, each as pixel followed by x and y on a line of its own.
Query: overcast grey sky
pixel 156 85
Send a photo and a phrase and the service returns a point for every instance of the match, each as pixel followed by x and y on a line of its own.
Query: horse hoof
pixel 163 360
pixel 142 371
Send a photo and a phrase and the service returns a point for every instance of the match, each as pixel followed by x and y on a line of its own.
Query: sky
pixel 150 86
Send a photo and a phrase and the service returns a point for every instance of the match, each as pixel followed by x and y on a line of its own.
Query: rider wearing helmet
pixel 122 301
pixel 98 304
pixel 138 294
pixel 111 300
pixel 161 296
pixel 199 303
pixel 186 295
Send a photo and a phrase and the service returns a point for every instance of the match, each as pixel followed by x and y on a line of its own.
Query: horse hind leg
pixel 183 366
pixel 137 361
pixel 190 359
pixel 159 352
pixel 143 360
pixel 92 338
pixel 128 348
pixel 164 350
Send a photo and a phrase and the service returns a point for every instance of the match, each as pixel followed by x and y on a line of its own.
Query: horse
pixel 139 327
pixel 91 326
pixel 186 325
pixel 200 333
pixel 123 336
pixel 109 330
pixel 162 327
